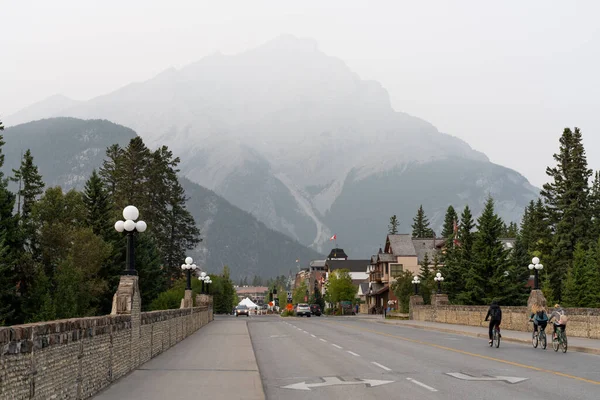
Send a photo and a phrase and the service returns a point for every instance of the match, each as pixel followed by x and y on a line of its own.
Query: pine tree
pixel 575 289
pixel 458 259
pixel 31 184
pixel 567 202
pixel 153 277
pixel 594 200
pixel 420 226
pixel 8 293
pixel 98 207
pixel 591 293
pixel 487 277
pixel 393 226
pixel 450 220
pixel 426 277
pixel 111 168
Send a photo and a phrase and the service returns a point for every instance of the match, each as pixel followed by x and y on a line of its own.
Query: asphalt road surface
pixel 349 358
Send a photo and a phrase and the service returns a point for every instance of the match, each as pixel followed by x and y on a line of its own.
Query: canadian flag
pixel 333 237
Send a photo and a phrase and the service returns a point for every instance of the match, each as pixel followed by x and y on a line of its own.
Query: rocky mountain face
pixel 66 150
pixel 294 137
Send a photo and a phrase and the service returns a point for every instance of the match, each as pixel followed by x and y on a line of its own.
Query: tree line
pixel 60 256
pixel 561 227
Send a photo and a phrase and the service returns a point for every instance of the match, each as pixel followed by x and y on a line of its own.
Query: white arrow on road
pixel 465 377
pixel 334 380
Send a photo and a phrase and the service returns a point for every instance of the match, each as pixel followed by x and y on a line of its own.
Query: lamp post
pixel 439 279
pixel 536 266
pixel 188 267
pixel 130 213
pixel 416 282
pixel 201 278
pixel 208 281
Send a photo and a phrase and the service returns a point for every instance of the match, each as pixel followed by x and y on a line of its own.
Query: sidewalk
pixel 583 345
pixel 216 362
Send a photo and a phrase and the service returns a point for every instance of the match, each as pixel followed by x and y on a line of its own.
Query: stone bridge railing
pixel 76 358
pixel 583 322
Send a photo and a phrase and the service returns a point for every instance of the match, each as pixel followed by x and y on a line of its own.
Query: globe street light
pixel 416 282
pixel 202 277
pixel 130 213
pixel 189 267
pixel 439 279
pixel 208 281
pixel 535 266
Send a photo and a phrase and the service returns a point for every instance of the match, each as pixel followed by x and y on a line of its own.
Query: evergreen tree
pixel 98 207
pixel 9 303
pixel 567 202
pixel 420 225
pixel 487 277
pixel 31 185
pixel 8 293
pixel 458 259
pixel 591 292
pixel 40 305
pixel 575 286
pixel 450 220
pixel 111 168
pixel 153 277
pixel 594 200
pixel 426 277
pixel 393 226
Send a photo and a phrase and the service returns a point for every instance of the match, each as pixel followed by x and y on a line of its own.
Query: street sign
pixel 334 380
pixel 289 307
pixel 465 377
pixel 271 304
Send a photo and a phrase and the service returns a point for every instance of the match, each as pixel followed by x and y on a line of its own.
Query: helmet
pixel 557 305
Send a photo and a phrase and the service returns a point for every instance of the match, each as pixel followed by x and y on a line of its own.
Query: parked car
pixel 315 309
pixel 242 310
pixel 303 309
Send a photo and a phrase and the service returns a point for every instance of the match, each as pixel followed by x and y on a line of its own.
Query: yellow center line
pixel 472 354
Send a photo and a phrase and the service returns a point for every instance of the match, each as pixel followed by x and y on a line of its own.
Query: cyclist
pixel 495 315
pixel 539 317
pixel 560 319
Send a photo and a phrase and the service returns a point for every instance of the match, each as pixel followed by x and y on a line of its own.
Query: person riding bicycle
pixel 560 319
pixel 495 315
pixel 539 317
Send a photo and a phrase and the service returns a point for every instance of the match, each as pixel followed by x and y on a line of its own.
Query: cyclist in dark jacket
pixel 495 315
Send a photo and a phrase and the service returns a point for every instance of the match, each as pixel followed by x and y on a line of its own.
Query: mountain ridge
pixel 266 127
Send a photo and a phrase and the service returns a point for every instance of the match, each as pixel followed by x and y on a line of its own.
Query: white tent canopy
pixel 248 303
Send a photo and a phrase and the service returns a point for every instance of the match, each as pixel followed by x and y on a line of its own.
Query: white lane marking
pixel 323 340
pixel 312 335
pixel 353 353
pixel 422 384
pixel 381 366
pixel 335 345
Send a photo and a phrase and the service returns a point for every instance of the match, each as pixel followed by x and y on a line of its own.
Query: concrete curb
pixel 579 349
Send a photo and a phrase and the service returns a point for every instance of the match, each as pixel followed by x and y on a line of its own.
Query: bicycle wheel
pixel 564 343
pixel 534 339
pixel 497 338
pixel 555 343
pixel 543 340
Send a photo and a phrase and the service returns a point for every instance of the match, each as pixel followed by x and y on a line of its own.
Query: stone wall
pixel 583 322
pixel 76 358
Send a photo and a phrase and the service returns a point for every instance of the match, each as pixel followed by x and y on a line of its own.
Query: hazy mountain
pixel 66 150
pixel 296 138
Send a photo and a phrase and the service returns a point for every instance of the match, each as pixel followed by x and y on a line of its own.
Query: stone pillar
pixel 127 300
pixel 415 300
pixel 187 301
pixel 439 300
pixel 536 297
pixel 127 294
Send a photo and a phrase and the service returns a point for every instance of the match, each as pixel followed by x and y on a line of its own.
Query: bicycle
pixel 539 337
pixel 495 337
pixel 560 340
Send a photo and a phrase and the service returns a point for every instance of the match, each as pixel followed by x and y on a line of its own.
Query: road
pixel 349 358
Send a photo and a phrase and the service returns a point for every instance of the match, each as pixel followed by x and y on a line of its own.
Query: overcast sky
pixel 506 76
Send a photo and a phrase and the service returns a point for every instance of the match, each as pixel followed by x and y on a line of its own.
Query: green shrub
pixel 288 313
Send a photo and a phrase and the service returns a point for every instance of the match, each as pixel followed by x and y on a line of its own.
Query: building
pixel 258 294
